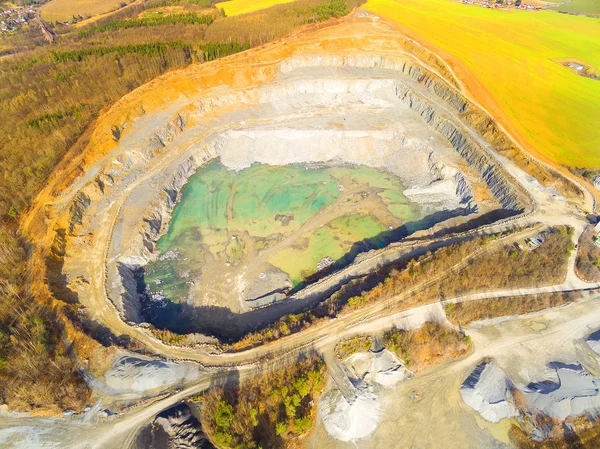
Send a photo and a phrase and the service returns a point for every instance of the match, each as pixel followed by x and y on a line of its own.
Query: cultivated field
pixel 64 10
pixel 237 7
pixel 591 7
pixel 510 54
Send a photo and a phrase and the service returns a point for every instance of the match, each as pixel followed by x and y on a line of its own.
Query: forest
pixel 265 411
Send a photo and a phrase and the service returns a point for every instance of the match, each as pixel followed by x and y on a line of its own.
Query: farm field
pixel 237 7
pixel 510 55
pixel 580 7
pixel 64 10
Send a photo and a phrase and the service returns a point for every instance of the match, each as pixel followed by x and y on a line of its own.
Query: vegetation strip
pixel 265 411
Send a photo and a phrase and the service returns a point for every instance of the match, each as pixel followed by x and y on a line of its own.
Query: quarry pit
pixel 219 210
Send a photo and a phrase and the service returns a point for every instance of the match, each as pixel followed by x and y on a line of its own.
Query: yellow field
pixel 64 10
pixel 236 7
pixel 509 55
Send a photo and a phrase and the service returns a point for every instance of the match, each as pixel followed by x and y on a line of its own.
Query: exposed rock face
pixel 175 428
pixel 266 288
pixel 137 374
pixel 383 112
pixel 487 390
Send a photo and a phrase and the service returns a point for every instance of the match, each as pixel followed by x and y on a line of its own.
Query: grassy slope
pixel 580 7
pixel 509 53
pixel 236 7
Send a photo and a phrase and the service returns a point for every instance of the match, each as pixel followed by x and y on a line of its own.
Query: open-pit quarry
pixel 217 199
pixel 276 186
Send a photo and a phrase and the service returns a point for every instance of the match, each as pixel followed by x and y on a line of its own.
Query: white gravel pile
pixel 573 393
pixel 137 374
pixel 348 422
pixel 487 391
pixel 382 368
pixel 367 371
pixel 594 342
pixel 568 390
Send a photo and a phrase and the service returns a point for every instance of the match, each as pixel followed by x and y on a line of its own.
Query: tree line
pixel 152 20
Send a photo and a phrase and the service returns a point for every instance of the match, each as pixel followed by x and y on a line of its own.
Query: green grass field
pixel 510 54
pixel 580 7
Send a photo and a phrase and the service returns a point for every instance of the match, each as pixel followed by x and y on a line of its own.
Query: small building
pixel 534 242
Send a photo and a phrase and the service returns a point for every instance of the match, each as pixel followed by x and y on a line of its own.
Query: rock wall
pixel 175 428
pixel 133 239
pixel 495 177
pixel 123 270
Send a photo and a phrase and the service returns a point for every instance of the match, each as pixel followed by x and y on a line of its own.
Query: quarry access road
pixel 123 432
pixel 517 339
pixel 292 342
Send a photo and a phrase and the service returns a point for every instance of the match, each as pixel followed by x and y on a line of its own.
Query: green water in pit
pixel 291 216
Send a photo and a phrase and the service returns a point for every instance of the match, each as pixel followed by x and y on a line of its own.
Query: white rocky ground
pixel 138 374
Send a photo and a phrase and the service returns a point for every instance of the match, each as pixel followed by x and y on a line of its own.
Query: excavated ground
pixel 385 110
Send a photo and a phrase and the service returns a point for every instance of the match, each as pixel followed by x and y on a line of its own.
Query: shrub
pixel 301 425
pixel 224 415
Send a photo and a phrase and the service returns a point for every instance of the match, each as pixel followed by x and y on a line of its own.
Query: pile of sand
pixel 348 422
